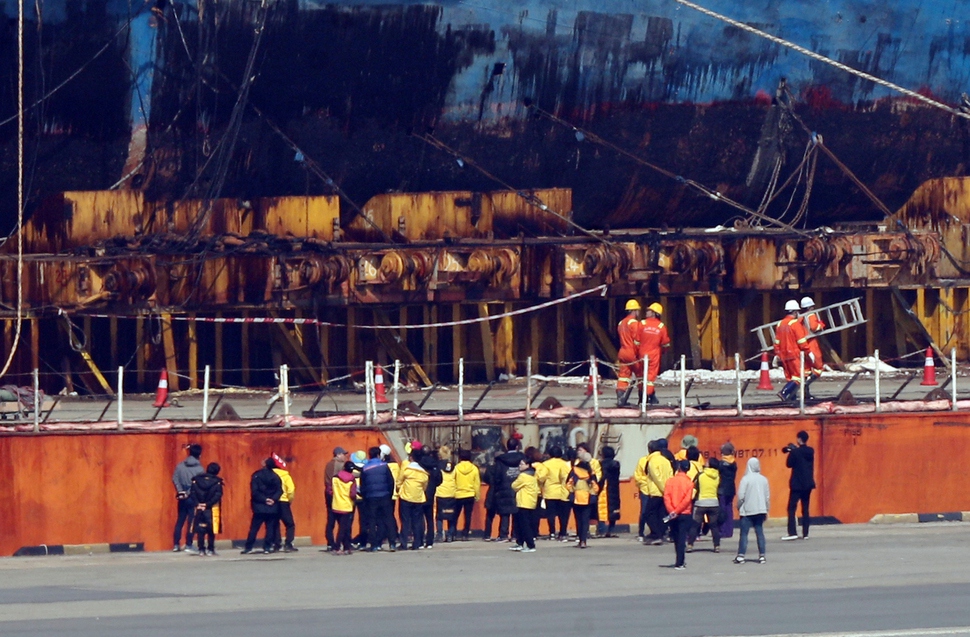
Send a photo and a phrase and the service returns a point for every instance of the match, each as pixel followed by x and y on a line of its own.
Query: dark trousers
pixel 344 522
pixel 678 530
pixel 286 517
pixel 203 530
pixel 794 497
pixel 557 510
pixel 465 506
pixel 412 523
pixel 427 510
pixel 727 516
pixel 713 515
pixel 269 520
pixel 362 537
pixel 655 517
pixel 642 521
pixel 331 520
pixel 503 524
pixel 747 523
pixel 379 513
pixel 526 527
pixel 581 514
pixel 185 513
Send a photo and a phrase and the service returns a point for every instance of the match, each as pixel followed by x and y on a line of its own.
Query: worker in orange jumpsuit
pixel 653 340
pixel 629 333
pixel 813 325
pixel 791 338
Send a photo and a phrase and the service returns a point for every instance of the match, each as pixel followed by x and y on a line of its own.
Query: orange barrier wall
pixel 117 487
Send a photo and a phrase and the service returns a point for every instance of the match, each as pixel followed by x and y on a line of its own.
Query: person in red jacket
pixel 791 338
pixel 629 364
pixel 653 340
pixel 679 500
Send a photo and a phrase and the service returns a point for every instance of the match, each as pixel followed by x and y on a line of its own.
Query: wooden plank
pixel 192 337
pixel 488 344
pixel 693 332
pixel 718 356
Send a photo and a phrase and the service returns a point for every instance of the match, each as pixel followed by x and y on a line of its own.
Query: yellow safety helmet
pixel 633 304
pixel 656 307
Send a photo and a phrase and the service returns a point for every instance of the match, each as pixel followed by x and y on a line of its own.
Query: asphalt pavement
pixel 853 580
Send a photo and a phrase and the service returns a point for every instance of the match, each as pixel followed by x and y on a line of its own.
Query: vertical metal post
pixel 737 377
pixel 683 385
pixel 528 387
pixel 121 399
pixel 643 381
pixel 801 385
pixel 285 392
pixel 36 400
pixel 461 390
pixel 953 381
pixel 593 374
pixel 878 398
pixel 205 397
pixel 367 416
pixel 397 376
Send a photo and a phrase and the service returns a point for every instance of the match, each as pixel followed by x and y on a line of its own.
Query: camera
pixel 787 448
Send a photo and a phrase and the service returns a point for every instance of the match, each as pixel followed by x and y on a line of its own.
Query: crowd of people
pixel 434 493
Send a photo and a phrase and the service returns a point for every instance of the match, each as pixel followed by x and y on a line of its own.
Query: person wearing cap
pixel 182 479
pixel 653 340
pixel 468 489
pixel 334 467
pixel 628 331
pixel 376 489
pixel 679 502
pixel 813 325
pixel 265 489
pixel 344 504
pixel 286 511
pixel 412 486
pixel 791 338
pixel 688 441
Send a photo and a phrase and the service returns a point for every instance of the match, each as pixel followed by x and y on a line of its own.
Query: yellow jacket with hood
pixel 412 482
pixel 449 484
pixel 289 489
pixel 658 472
pixel 526 489
pixel 640 475
pixel 468 480
pixel 707 482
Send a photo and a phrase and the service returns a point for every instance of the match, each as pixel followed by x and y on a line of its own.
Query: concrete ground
pixel 506 396
pixel 898 581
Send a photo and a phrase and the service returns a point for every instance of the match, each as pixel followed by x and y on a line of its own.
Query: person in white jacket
pixel 754 499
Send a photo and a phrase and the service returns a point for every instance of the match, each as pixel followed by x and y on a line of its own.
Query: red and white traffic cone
pixel 161 393
pixel 765 381
pixel 929 368
pixel 379 395
pixel 589 386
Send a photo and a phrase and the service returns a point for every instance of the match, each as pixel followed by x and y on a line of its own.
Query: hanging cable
pixel 20 189
pixel 825 60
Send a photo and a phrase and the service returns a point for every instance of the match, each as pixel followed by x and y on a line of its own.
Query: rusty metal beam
pixel 488 349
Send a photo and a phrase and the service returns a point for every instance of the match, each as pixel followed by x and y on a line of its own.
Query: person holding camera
pixel 801 461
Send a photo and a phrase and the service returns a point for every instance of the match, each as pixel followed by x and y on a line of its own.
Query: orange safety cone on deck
pixel 765 381
pixel 161 393
pixel 589 386
pixel 379 395
pixel 929 368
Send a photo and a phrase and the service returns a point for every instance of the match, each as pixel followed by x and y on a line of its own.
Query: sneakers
pixel 682 567
pixel 190 550
pixel 789 538
pixel 176 548
pixel 289 548
pixel 657 543
pixel 739 559
pixel 689 548
pixel 717 549
pixel 762 560
pixel 640 539
pixel 246 551
pixel 213 553
pixel 515 547
pixel 527 550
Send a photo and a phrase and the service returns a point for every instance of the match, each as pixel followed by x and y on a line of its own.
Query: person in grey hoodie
pixel 754 499
pixel 182 479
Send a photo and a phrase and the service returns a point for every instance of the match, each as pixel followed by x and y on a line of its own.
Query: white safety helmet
pixel 385 451
pixel 792 306
pixel 807 302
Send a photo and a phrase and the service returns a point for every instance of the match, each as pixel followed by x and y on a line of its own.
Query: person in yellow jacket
pixel 468 489
pixel 445 497
pixel 659 470
pixel 344 502
pixel 411 485
pixel 642 482
pixel 286 510
pixel 526 489
pixel 686 443
pixel 696 464
pixel 555 494
pixel 707 507
pixel 582 486
pixel 585 454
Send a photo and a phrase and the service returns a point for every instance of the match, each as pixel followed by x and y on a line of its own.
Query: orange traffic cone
pixel 379 395
pixel 765 381
pixel 161 393
pixel 929 368
pixel 589 387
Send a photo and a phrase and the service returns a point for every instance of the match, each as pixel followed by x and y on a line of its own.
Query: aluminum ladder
pixel 837 317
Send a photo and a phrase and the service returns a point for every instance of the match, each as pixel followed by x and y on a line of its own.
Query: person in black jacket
pixel 206 492
pixel 265 490
pixel 504 473
pixel 609 495
pixel 727 488
pixel 801 461
pixel 429 462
